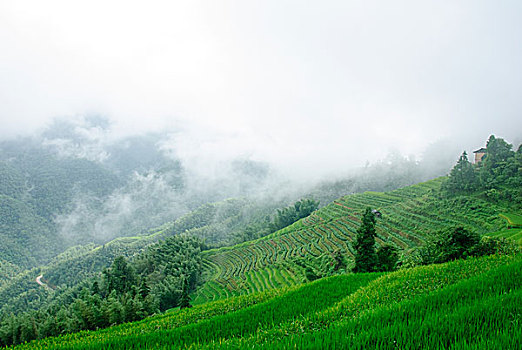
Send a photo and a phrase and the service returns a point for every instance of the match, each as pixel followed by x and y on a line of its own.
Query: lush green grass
pixel 513 230
pixel 477 313
pixel 514 220
pixel 514 234
pixel 466 304
pixel 247 313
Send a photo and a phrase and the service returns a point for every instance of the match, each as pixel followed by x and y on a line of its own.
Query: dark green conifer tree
pixel 95 288
pixel 184 301
pixel 120 277
pixel 462 177
pixel 144 290
pixel 388 257
pixel 497 165
pixel 338 260
pixel 115 309
pixel 365 255
pixel 310 274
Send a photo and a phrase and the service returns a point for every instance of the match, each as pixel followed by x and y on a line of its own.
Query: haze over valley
pixel 260 174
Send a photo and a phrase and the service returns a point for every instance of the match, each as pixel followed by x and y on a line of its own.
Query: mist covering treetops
pixel 78 182
pixel 73 184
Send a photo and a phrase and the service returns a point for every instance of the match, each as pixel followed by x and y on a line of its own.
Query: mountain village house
pixel 479 154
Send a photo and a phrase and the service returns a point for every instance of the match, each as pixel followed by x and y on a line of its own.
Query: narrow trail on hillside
pixel 39 281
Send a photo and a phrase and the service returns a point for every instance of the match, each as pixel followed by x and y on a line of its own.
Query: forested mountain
pixel 36 187
pixel 72 184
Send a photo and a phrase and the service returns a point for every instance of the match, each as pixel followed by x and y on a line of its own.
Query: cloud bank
pixel 312 88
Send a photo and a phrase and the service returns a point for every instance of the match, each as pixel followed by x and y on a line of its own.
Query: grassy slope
pixel 513 220
pixel 408 215
pixel 513 229
pixel 466 304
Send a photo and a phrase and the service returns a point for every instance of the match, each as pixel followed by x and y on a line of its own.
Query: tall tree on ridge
pixel 365 255
pixel 185 297
pixel 462 177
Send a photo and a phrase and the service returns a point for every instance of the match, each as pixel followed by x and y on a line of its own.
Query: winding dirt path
pixel 39 281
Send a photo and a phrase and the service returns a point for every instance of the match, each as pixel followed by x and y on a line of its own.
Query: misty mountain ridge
pixel 78 182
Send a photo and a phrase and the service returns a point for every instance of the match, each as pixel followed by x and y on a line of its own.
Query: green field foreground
pixel 465 304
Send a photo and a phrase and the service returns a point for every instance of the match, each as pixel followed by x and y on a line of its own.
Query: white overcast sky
pixel 289 81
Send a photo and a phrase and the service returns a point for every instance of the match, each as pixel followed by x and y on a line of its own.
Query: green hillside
pixel 465 304
pixel 408 216
pixel 513 229
pixel 212 222
pixel 283 259
pixel 261 293
pixel 35 187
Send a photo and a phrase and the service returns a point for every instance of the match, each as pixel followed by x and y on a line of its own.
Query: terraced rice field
pixel 408 215
pixel 513 220
pixel 513 230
